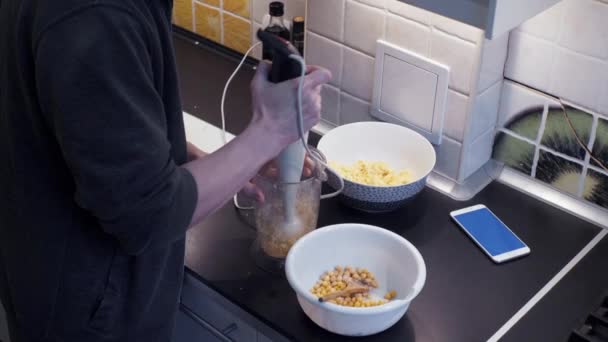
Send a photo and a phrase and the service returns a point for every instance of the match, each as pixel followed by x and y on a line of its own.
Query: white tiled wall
pixel 564 52
pixel 342 34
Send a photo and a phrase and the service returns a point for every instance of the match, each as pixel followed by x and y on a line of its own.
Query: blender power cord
pixel 300 121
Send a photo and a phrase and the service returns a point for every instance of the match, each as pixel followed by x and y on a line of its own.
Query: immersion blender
pixel 291 159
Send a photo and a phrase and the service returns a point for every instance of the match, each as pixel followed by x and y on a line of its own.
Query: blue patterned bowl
pixel 400 147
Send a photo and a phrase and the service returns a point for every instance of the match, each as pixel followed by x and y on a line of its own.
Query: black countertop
pixel 466 297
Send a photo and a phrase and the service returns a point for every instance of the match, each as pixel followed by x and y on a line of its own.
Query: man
pixel 98 185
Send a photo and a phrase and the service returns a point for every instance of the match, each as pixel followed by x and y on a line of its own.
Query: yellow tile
pixel 239 7
pixel 182 14
pixel 237 34
pixel 215 3
pixel 207 22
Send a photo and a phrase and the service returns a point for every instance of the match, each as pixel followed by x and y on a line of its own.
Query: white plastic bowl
pixel 394 261
pixel 400 147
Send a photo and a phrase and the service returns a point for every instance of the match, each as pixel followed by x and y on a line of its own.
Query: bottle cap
pixel 276 9
pixel 298 24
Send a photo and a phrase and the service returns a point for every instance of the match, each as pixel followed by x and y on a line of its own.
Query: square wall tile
pixel 547 24
pixel 215 3
pixel 326 17
pixel 410 12
pixel 558 135
pixel 330 105
pixel 237 33
pixel 448 158
pixel 357 74
pixel 182 14
pixel 478 154
pixel 485 111
pixel 295 8
pixel 458 29
pixel 530 60
pixel 208 22
pixel 353 109
pixel 238 7
pixel 259 9
pixel 375 3
pixel 587 27
pixel 363 26
pixel 600 147
pixel 521 109
pixel 514 152
pixel 408 34
pixel 460 55
pixel 578 78
pixel 493 58
pixel 596 188
pixel 455 115
pixel 558 172
pixel 326 53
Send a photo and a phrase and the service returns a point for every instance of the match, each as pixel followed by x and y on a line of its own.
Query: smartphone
pixel 490 233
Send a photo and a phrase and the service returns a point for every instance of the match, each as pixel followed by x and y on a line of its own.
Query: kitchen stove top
pixel 594 327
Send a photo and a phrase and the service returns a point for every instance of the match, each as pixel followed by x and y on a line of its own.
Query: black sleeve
pixel 95 84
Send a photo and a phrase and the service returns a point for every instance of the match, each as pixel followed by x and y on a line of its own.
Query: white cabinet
pixel 494 16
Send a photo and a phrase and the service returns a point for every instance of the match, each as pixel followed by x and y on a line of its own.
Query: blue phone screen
pixel 492 234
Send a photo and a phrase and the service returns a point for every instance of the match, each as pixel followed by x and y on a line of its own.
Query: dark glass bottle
pixel 297 34
pixel 276 25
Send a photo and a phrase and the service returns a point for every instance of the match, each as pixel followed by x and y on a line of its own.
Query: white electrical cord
pixel 300 121
pixel 224 139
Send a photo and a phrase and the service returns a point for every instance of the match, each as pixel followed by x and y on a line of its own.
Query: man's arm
pixel 96 91
pixel 194 152
pixel 273 127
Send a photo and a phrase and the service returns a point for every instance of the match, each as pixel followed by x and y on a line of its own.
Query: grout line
pixel 581 184
pixel 193 4
pixel 539 136
pixel 453 35
pixel 409 20
pixel 550 285
pixel 342 91
pixel 561 155
pixel 238 16
pixel 222 22
pixel 343 23
pixel 555 44
pixel 222 27
pixel 598 170
pixel 542 147
pixel 518 136
pixel 339 114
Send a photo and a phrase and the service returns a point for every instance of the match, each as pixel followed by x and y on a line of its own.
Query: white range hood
pixel 494 16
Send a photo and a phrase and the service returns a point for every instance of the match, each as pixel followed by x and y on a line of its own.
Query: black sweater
pixel 93 202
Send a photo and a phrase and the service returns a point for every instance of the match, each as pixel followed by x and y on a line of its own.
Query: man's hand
pixel 275 105
pixel 223 173
pixel 195 152
pixel 271 170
